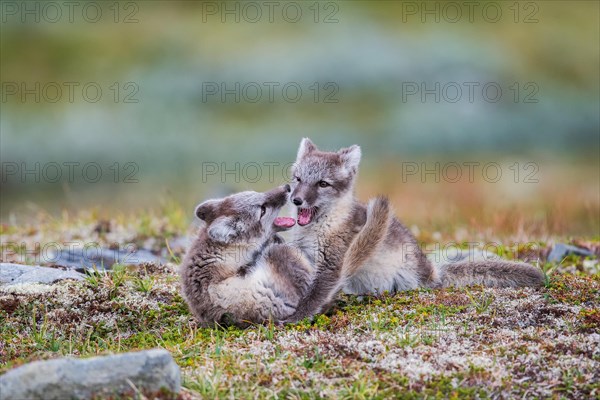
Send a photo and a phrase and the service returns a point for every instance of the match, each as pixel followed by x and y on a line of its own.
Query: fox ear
pixel 221 230
pixel 206 211
pixel 306 147
pixel 350 156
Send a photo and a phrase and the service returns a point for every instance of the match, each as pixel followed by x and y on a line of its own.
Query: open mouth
pixel 283 223
pixel 306 215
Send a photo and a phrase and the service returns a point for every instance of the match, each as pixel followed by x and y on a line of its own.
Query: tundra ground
pixel 475 342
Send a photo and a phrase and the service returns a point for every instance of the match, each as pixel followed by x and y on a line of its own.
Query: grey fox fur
pixel 340 252
pixel 238 271
pixel 329 216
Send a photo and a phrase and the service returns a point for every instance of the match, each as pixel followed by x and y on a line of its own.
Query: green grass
pixel 451 343
pixel 329 357
pixel 482 302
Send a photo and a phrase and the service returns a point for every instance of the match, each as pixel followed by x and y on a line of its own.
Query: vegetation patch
pixel 449 343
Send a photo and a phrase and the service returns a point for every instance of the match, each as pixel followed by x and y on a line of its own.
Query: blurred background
pixel 481 116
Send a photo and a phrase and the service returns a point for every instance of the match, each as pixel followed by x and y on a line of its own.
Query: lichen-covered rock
pixel 17 274
pixel 148 371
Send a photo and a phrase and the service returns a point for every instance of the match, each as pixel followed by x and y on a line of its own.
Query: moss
pixel 450 343
pixel 589 320
pixel 574 289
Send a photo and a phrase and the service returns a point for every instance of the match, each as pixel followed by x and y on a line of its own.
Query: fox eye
pixel 297 179
pixel 323 184
pixel 263 210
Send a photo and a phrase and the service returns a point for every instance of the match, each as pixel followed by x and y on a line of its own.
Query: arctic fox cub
pixel 238 270
pixel 329 215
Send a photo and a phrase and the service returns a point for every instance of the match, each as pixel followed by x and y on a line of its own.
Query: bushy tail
pixel 365 243
pixel 491 274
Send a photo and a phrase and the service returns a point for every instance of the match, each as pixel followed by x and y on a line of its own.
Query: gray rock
pixel 15 274
pixel 561 250
pixel 102 258
pixel 68 378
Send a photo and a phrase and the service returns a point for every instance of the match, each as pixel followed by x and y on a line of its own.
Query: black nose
pixel 297 201
pixel 287 188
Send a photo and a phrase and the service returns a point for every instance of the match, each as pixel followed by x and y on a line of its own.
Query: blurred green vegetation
pixel 171 50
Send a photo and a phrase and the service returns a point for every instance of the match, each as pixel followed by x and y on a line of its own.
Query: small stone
pixel 125 374
pixel 83 260
pixel 17 274
pixel 561 250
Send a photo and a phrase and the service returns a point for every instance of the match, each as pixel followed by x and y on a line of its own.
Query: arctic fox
pixel 238 270
pixel 329 215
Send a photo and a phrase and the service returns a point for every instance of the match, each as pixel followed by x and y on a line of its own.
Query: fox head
pixel 321 178
pixel 245 217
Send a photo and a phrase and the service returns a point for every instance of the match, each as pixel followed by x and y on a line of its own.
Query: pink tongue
pixel 304 216
pixel 284 222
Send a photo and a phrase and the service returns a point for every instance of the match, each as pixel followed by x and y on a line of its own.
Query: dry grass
pixel 556 201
